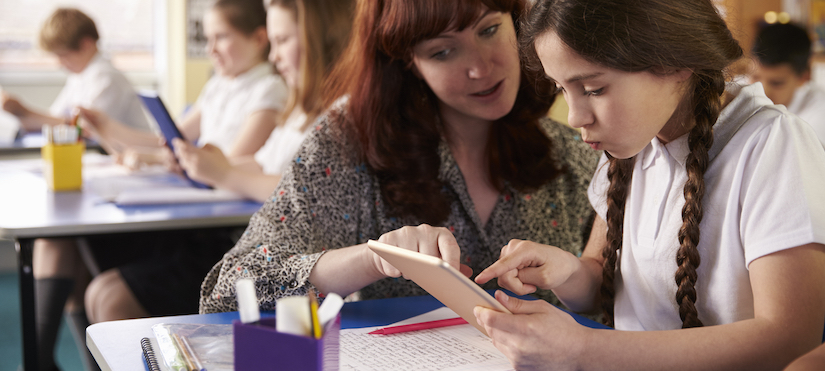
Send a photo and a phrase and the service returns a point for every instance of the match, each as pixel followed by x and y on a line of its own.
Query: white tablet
pixel 441 280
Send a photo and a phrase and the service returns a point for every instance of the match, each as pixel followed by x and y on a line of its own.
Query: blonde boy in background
pixel 93 82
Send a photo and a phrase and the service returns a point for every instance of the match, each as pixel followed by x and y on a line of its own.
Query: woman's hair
pixel 324 27
pixel 393 116
pixel 655 36
pixel 246 16
pixel 65 28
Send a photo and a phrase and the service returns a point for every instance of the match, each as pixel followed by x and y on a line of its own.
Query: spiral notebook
pixel 149 354
pixel 211 344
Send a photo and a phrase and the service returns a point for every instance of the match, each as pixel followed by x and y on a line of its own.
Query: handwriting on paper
pixel 455 348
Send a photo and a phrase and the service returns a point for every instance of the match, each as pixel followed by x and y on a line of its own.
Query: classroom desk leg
pixel 29 328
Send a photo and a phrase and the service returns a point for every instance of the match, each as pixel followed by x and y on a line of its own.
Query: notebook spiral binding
pixel 149 354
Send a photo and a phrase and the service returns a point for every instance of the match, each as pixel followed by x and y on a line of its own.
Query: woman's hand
pixel 536 336
pixel 206 164
pixel 426 239
pixel 524 265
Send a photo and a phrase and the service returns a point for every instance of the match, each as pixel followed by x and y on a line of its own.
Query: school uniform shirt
pixel 226 103
pixel 327 200
pixel 808 103
pixel 102 87
pixel 763 195
pixel 279 150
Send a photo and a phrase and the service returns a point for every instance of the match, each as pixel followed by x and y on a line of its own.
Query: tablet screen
pixel 441 280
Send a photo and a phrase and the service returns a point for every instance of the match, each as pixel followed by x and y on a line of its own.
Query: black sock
pixel 77 324
pixel 50 298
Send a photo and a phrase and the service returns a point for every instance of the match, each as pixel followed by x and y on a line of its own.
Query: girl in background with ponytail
pixel 711 214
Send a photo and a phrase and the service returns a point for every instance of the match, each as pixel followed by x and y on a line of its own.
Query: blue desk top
pixel 31 210
pixel 116 344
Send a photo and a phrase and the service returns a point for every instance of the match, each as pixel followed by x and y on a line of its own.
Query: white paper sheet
pixel 453 348
pixel 174 195
pixel 151 185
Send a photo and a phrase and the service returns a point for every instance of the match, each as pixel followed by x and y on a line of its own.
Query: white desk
pixel 116 345
pixel 28 210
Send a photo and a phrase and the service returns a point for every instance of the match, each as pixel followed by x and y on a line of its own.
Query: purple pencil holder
pixel 261 347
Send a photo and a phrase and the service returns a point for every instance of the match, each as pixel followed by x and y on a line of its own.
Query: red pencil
pixel 419 326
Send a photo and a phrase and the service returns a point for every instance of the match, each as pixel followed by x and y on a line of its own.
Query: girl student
pixel 430 110
pixel 238 107
pixel 241 102
pixel 707 251
pixel 306 37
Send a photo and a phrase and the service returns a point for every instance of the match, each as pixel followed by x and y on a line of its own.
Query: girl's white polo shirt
pixel 763 195
pixel 280 149
pixel 226 103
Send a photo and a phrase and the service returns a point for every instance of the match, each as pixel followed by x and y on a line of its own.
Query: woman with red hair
pixel 436 141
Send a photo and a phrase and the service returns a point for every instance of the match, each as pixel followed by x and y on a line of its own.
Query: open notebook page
pixel 453 348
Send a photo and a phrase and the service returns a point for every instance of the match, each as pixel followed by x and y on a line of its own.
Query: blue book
pixel 167 126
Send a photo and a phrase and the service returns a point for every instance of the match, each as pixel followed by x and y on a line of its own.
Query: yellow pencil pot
pixel 63 164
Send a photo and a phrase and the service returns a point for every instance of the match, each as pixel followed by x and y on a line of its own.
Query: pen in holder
pixel 259 346
pixel 63 158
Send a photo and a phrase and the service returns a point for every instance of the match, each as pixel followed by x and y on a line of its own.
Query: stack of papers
pixel 152 185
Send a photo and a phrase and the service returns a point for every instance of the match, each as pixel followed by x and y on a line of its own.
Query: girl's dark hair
pixel 394 118
pixel 655 36
pixel 246 16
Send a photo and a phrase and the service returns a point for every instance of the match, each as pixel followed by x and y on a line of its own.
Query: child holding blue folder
pixel 292 26
pixel 302 51
pixel 243 100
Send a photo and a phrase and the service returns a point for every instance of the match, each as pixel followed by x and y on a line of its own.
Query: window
pixel 125 28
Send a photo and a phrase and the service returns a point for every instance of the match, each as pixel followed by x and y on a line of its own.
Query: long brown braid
pixel 619 173
pixel 654 36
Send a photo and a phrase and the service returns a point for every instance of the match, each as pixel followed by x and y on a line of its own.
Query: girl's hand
pixel 11 105
pixel 96 124
pixel 524 265
pixel 135 158
pixel 537 336
pixel 438 242
pixel 206 164
pixel 168 159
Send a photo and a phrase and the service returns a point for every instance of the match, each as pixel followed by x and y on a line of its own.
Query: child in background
pixel 306 37
pixel 93 82
pixel 238 107
pixel 709 245
pixel 237 110
pixel 434 122
pixel 783 66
